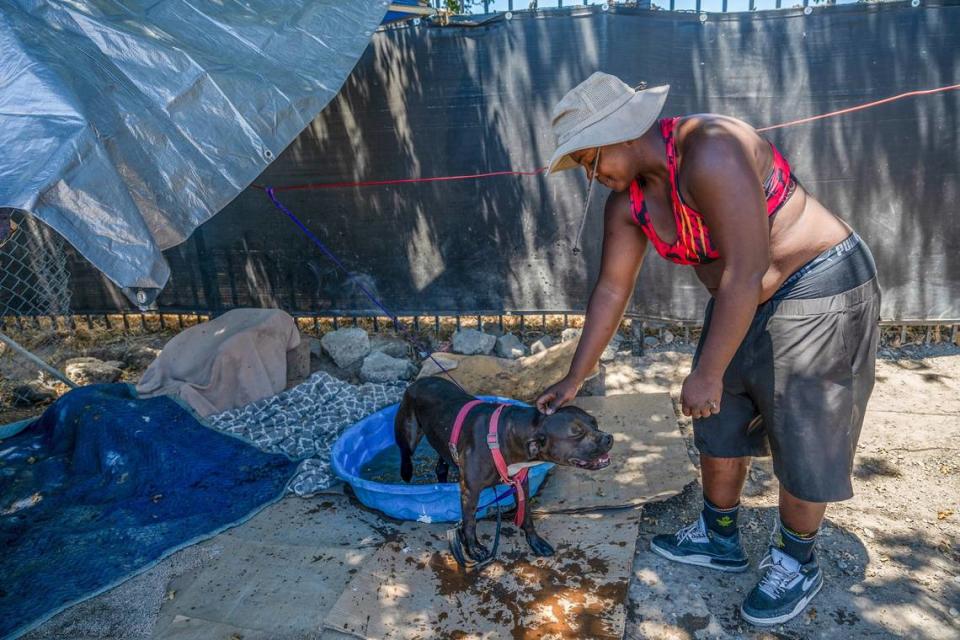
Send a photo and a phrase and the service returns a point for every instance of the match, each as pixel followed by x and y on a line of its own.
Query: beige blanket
pixel 236 359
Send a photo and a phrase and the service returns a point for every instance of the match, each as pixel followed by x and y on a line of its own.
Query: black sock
pixel 721 521
pixel 798 546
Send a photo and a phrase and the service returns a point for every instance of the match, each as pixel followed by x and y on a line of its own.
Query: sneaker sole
pixel 797 610
pixel 700 561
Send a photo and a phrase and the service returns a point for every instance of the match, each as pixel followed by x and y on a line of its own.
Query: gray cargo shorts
pixel 798 387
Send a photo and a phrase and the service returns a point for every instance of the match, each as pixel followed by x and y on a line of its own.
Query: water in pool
pixel 385 466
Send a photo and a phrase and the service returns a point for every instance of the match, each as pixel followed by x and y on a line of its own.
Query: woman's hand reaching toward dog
pixel 557 395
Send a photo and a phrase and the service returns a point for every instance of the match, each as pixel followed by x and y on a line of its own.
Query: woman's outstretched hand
pixel 557 395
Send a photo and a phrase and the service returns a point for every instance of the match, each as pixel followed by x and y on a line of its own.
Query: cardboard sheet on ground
pixel 412 588
pixel 276 576
pixel 522 379
pixel 648 461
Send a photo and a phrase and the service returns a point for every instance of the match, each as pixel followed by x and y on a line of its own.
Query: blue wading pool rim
pixel 421 502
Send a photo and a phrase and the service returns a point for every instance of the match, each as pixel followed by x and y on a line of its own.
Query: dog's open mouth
pixel 592 465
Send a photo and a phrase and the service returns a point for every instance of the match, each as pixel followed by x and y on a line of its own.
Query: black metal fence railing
pixel 710 6
pixel 895 333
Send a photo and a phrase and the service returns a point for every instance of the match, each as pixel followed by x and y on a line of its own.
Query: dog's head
pixel 570 437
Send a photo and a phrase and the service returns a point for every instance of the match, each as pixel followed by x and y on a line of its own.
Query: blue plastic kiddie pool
pixel 422 502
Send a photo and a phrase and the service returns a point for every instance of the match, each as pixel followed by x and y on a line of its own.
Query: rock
pixel 298 362
pixel 610 352
pixel 472 342
pixel 141 356
pixel 509 346
pixel 86 371
pixel 650 342
pixel 346 346
pixel 326 364
pixel 523 379
pixel 32 393
pixel 595 385
pixel 431 366
pixel 316 349
pixel 570 334
pixel 759 479
pixel 668 337
pixel 116 364
pixel 541 345
pixel 379 367
pixel 393 347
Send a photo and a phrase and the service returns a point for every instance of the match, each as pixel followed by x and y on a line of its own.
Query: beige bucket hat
pixel 602 110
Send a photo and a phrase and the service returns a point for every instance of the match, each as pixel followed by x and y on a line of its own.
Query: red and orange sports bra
pixel 693 245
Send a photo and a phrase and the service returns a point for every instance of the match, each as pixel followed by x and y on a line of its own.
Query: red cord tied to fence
pixel 536 172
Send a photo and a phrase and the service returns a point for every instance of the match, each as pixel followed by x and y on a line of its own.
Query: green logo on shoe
pixel 725 521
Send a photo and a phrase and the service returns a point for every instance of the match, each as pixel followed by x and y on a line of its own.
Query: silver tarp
pixel 125 125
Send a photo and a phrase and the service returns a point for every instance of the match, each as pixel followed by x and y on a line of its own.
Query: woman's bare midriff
pixel 799 232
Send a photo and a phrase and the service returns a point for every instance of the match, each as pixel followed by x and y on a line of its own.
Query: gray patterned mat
pixel 305 421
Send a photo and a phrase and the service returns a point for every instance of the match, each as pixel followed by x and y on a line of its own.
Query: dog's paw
pixel 478 552
pixel 540 546
pixel 467 554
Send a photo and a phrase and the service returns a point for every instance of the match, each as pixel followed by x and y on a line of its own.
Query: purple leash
pixel 333 258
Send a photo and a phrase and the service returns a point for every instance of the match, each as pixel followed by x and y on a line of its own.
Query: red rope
pixel 535 172
pixel 860 107
pixel 375 183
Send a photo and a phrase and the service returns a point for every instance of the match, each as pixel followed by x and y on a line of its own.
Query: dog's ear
pixel 535 446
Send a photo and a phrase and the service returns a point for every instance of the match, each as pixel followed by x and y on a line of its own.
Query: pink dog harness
pixel 499 462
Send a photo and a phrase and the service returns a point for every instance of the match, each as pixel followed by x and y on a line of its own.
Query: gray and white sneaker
pixel 695 544
pixel 783 591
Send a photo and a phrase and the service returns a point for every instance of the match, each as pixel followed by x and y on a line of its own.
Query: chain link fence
pixel 34 301
pixel 34 279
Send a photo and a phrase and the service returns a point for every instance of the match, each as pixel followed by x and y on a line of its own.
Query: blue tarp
pixel 399 16
pixel 104 485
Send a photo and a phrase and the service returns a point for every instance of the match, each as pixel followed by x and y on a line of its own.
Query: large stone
pixel 140 356
pixel 84 371
pixel 509 346
pixel 393 347
pixel 610 352
pixel 346 346
pixel 437 363
pixel 298 362
pixel 596 385
pixel 472 342
pixel 570 334
pixel 379 367
pixel 316 349
pixel 523 379
pixel 32 393
pixel 541 345
pixel 650 342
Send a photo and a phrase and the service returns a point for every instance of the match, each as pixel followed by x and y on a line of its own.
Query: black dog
pixel 429 408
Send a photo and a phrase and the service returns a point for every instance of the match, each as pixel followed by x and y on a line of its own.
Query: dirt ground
pixel 891 555
pixel 135 351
